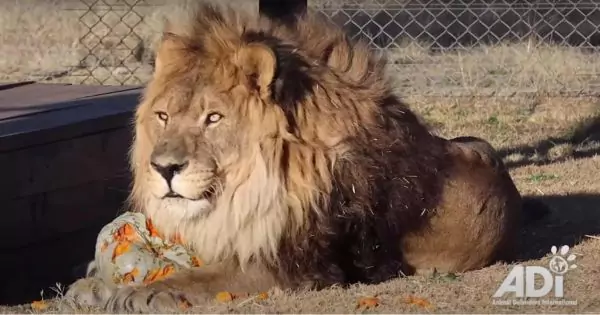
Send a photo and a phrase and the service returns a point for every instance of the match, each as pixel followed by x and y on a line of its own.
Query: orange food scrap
pixel 368 302
pixel 158 274
pixel 130 276
pixel 125 233
pixel 184 304
pixel 262 296
pixel 224 296
pixel 121 248
pixel 196 262
pixel 420 302
pixel 150 227
pixel 39 305
pixel 167 270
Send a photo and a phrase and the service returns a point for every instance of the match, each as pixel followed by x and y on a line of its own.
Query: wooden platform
pixel 63 167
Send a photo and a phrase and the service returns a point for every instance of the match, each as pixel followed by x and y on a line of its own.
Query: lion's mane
pixel 343 170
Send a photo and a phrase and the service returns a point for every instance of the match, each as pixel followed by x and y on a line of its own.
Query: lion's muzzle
pixel 177 173
pixel 168 169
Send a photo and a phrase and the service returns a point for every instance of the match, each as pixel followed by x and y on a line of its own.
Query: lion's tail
pixel 534 210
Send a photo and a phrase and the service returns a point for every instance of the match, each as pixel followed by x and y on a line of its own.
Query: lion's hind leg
pixel 477 150
pixel 477 219
pixel 532 209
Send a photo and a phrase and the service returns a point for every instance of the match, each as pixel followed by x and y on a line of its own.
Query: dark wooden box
pixel 63 175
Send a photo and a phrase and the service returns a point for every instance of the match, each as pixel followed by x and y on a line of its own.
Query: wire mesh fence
pixel 436 46
pixel 480 47
pixel 113 41
pixel 459 24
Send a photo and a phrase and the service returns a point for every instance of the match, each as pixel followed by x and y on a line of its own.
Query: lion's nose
pixel 168 169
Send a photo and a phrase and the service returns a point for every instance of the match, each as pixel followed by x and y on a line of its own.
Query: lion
pixel 283 157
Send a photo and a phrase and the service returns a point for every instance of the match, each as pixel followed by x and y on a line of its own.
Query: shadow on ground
pixel 586 133
pixel 569 220
pixel 29 271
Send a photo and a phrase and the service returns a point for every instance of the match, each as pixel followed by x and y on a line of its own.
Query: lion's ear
pixel 169 46
pixel 259 63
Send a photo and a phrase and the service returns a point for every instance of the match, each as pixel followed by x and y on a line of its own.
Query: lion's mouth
pixel 208 194
pixel 172 194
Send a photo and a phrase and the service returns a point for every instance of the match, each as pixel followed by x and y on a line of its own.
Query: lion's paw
pixel 135 299
pixel 89 292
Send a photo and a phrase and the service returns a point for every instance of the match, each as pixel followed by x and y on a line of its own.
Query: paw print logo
pixel 560 263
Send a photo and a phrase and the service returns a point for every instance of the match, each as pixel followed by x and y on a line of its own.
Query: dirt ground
pixel 549 143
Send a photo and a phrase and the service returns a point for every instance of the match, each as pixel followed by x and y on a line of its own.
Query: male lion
pixel 284 159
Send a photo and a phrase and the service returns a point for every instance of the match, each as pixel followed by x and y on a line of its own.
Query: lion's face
pixel 207 126
pixel 196 135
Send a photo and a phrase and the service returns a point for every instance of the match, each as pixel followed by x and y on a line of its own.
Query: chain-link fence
pixel 114 41
pixel 480 46
pixel 460 24
pixel 436 46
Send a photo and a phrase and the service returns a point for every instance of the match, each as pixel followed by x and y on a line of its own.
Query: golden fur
pixel 276 142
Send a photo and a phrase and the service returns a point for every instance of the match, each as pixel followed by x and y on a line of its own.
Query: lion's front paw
pixel 134 299
pixel 90 292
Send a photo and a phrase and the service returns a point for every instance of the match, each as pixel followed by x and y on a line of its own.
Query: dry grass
pixel 57 41
pixel 47 40
pixel 497 70
pixel 550 144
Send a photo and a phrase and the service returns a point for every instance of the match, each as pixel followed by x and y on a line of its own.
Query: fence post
pixel 283 10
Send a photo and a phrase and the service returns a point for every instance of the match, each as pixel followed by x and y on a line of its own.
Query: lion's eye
pixel 213 118
pixel 162 116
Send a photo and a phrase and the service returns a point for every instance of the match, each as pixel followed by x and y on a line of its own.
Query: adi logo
pixel 522 281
